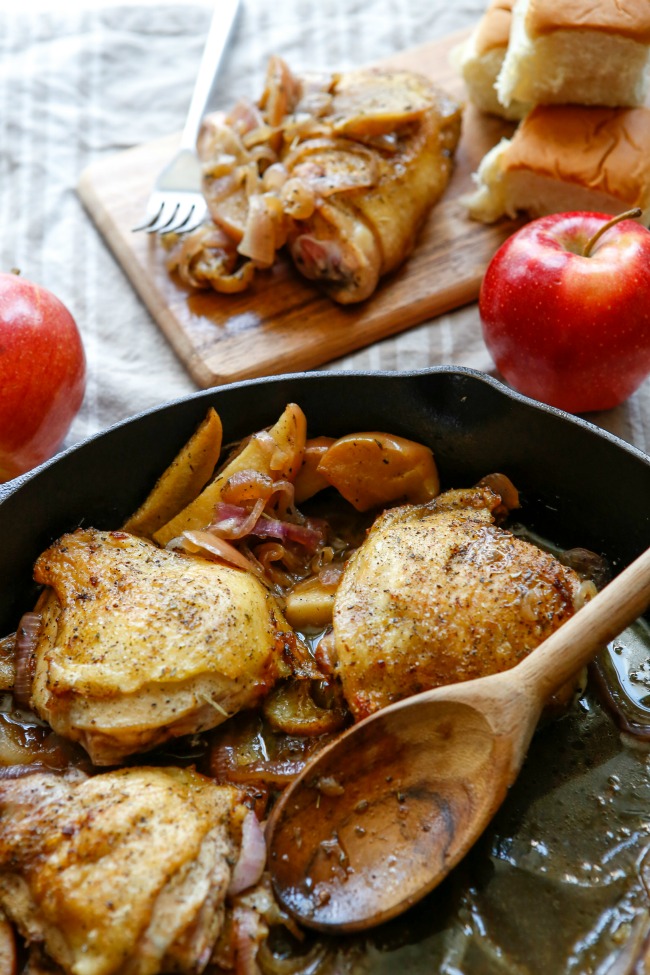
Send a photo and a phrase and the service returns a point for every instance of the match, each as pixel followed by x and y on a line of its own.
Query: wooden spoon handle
pixel 575 643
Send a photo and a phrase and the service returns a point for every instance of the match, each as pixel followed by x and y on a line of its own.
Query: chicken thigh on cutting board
pixel 438 593
pixel 139 644
pixel 123 873
pixel 343 168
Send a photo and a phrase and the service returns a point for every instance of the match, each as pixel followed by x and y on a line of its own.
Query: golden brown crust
pixel 126 871
pixel 139 644
pixel 493 30
pixel 604 149
pixel 438 593
pixel 627 18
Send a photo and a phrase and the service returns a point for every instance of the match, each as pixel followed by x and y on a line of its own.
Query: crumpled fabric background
pixel 83 83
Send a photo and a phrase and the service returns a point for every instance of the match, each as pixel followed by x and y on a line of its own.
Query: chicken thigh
pixel 123 873
pixel 139 644
pixel 356 236
pixel 438 593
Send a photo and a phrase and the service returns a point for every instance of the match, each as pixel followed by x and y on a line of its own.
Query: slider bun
pixel 577 51
pixel 478 60
pixel 567 157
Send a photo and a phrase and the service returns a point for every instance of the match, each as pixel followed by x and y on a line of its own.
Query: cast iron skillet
pixel 579 485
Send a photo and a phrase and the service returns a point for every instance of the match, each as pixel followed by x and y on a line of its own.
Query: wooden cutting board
pixel 283 324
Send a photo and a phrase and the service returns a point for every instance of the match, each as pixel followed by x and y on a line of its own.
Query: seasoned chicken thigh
pixel 123 873
pixel 140 644
pixel 438 593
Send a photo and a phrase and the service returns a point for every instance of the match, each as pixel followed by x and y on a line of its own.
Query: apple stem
pixel 628 215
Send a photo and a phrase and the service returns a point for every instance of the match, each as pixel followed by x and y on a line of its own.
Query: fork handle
pixel 222 23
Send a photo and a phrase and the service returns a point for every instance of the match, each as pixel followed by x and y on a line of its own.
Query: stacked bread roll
pixel 577 74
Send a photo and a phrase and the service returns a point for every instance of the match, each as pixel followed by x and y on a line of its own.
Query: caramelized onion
pixel 298 198
pixel 244 751
pixel 330 576
pixel 26 639
pixel 291 708
pixel 281 93
pixel 503 486
pixel 234 521
pixel 318 959
pixel 250 933
pixel 245 116
pixel 287 531
pixel 588 564
pixel 277 563
pixel 208 542
pixel 275 176
pixel 252 856
pixel 282 498
pixel 278 456
pixel 7 662
pixel 312 146
pixel 207 257
pixel 260 239
pixel 247 485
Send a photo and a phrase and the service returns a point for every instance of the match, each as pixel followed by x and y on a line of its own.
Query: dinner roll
pixel 567 157
pixel 577 51
pixel 478 60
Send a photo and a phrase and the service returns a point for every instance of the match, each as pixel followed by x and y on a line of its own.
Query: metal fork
pixel 176 203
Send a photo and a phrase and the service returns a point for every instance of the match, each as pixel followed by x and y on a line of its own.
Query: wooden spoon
pixel 379 818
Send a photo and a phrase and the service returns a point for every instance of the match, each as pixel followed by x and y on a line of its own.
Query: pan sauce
pixel 559 883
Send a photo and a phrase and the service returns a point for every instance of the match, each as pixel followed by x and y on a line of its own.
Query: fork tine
pixel 164 220
pixel 182 216
pixel 189 217
pixel 149 220
pixel 193 223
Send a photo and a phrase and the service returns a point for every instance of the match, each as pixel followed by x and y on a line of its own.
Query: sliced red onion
pixel 26 639
pixel 252 856
pixel 234 521
pixel 211 543
pixel 286 531
pixel 330 576
pixel 250 932
pixel 284 489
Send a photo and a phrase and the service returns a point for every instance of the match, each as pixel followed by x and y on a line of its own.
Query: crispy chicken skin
pixel 140 644
pixel 123 873
pixel 438 593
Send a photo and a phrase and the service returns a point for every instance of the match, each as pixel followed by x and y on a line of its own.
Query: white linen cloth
pixel 78 84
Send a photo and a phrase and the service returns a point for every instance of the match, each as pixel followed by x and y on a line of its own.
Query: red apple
pixel 42 374
pixel 565 309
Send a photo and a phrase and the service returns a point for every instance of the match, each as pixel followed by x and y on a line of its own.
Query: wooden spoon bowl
pixel 379 818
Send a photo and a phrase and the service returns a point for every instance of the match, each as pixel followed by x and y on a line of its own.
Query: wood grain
pixel 284 324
